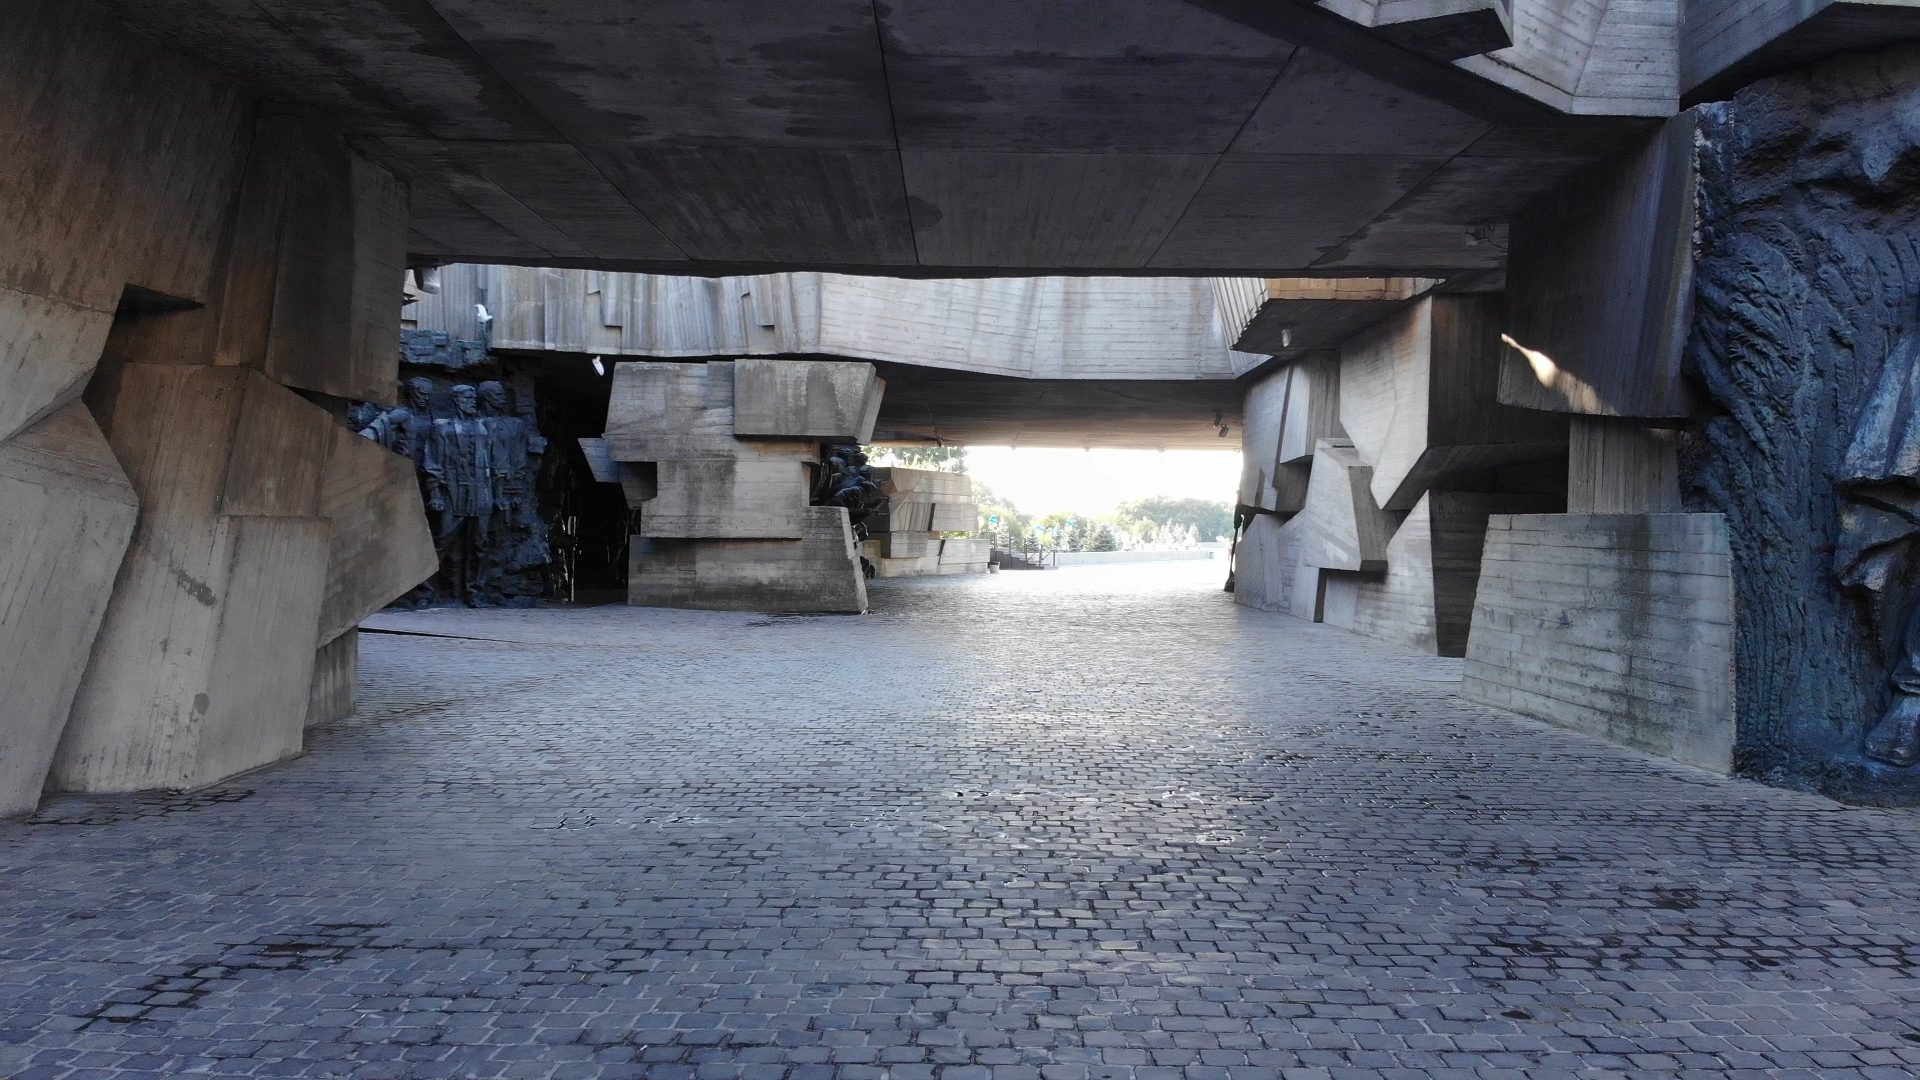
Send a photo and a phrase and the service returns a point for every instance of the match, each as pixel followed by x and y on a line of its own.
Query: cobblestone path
pixel 1090 823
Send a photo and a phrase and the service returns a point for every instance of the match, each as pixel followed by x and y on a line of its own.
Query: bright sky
pixel 1094 482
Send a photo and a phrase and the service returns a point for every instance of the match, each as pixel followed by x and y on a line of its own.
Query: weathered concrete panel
pixel 1260 422
pixel 1265 562
pixel 1425 598
pixel 1618 625
pixel 334 692
pixel 336 241
pixel 751 495
pixel 1417 397
pixel 1600 286
pixel 819 572
pixel 1312 409
pixel 1341 526
pixel 48 349
pixel 825 401
pixel 1727 44
pixel 66 514
pixel 122 160
pixel 1619 466
pixel 380 544
pixel 204 658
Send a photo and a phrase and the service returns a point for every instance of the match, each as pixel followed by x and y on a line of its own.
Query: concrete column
pixel 181 263
pixel 1622 466
pixel 66 512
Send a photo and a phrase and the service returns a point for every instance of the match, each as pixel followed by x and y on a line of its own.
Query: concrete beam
pixel 1417 396
pixel 1600 288
pixel 1727 44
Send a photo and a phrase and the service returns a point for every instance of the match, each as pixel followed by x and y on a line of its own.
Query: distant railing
pixel 1050 560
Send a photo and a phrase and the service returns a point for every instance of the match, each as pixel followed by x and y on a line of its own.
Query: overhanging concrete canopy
pixel 923 138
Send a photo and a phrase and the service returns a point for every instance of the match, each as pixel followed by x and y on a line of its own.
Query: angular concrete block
pixel 923 485
pixel 600 460
pixel 48 349
pixel 920 566
pixel 902 516
pixel 1341 528
pixel 820 572
pixel 1424 599
pixel 827 401
pixel 1621 466
pixel 66 514
pixel 1261 415
pixel 199 673
pixel 321 243
pixel 1264 562
pixel 203 663
pixel 380 545
pixel 910 545
pixel 1600 284
pixel 1445 29
pixel 955 517
pixel 334 692
pixel 1619 625
pixel 966 550
pixel 1418 399
pixel 1312 408
pixel 763 496
pixel 662 412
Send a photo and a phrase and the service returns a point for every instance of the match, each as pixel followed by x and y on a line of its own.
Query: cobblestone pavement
pixel 1088 823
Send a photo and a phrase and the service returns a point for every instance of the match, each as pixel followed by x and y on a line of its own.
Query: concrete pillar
pixel 335 690
pixel 181 262
pixel 725 522
pixel 1622 466
pixel 66 512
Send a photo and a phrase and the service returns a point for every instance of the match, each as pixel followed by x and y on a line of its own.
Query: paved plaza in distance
pixel 1087 823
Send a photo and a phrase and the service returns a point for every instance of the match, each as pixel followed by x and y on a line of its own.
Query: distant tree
pixel 941 458
pixel 1001 521
pixel 1209 519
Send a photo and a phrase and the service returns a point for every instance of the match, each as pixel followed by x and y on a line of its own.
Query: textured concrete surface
pixel 1161 836
pixel 918 137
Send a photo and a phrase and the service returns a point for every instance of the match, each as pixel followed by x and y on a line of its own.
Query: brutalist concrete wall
pixel 1806 324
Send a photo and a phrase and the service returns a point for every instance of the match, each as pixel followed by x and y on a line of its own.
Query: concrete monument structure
pixel 186 537
pixel 721 454
pixel 920 505
pixel 1098 361
pixel 209 205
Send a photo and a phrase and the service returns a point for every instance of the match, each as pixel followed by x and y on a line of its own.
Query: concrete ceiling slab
pixel 798 73
pixel 903 136
pixel 1434 224
pixel 405 55
pixel 1285 212
pixel 1324 107
pixel 557 183
pixel 765 204
pixel 1168 105
pixel 1013 210
pixel 455 229
pixel 240 39
pixel 1070 28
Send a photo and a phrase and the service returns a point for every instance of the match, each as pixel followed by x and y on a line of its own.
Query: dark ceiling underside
pixel 924 405
pixel 906 137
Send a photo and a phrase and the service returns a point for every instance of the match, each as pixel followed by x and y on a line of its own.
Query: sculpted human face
pixel 419 393
pixel 494 396
pixel 465 401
